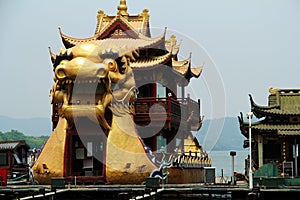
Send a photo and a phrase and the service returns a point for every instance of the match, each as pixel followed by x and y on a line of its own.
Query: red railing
pixel 168 109
pixel 162 109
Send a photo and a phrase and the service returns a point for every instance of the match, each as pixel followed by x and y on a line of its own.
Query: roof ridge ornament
pixel 52 55
pixel 145 14
pixel 273 90
pixel 122 8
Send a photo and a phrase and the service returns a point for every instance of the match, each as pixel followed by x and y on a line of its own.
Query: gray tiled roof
pixel 8 145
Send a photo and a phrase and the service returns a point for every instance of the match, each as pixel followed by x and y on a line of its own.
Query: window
pixel 3 159
pixel 89 149
pixel 161 143
pixel 160 91
pixel 79 152
pixel 179 92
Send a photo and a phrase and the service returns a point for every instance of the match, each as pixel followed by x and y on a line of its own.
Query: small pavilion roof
pixel 11 145
pixel 119 26
pixel 139 22
pixel 129 24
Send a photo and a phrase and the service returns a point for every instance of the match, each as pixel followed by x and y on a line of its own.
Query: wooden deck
pixel 176 191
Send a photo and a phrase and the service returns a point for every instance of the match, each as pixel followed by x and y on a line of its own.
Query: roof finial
pixel 273 90
pixel 122 8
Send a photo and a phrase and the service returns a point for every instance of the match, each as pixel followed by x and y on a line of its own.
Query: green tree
pixel 33 142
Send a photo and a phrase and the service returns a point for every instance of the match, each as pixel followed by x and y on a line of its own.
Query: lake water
pixel 223 160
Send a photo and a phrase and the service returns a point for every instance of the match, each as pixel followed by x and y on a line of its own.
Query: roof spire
pixel 122 8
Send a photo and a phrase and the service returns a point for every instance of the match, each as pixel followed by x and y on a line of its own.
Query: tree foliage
pixel 33 142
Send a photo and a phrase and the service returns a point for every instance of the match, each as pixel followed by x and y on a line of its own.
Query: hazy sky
pixel 249 46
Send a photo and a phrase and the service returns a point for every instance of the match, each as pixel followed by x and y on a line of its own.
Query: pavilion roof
pixel 281 102
pixel 11 145
pixel 129 38
pixel 137 22
pixel 119 26
pixel 133 32
pixel 267 128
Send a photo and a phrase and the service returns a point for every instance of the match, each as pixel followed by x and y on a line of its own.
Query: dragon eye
pixel 63 62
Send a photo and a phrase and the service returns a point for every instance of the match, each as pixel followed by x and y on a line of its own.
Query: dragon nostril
pixel 60 73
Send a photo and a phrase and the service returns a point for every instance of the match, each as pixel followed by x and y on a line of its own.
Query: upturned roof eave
pixel 158 61
pixel 70 41
pixel 194 73
pixel 262 127
pixel 261 111
pixel 184 67
pixel 244 126
pixel 264 111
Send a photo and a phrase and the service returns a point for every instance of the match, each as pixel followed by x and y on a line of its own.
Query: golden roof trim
pixel 151 62
pixel 113 21
pixel 171 45
pixel 69 41
pixel 197 71
pixel 142 19
pixel 273 90
pixel 184 68
pixel 122 8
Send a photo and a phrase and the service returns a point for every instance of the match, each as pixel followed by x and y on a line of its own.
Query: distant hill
pixel 214 135
pixel 30 127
